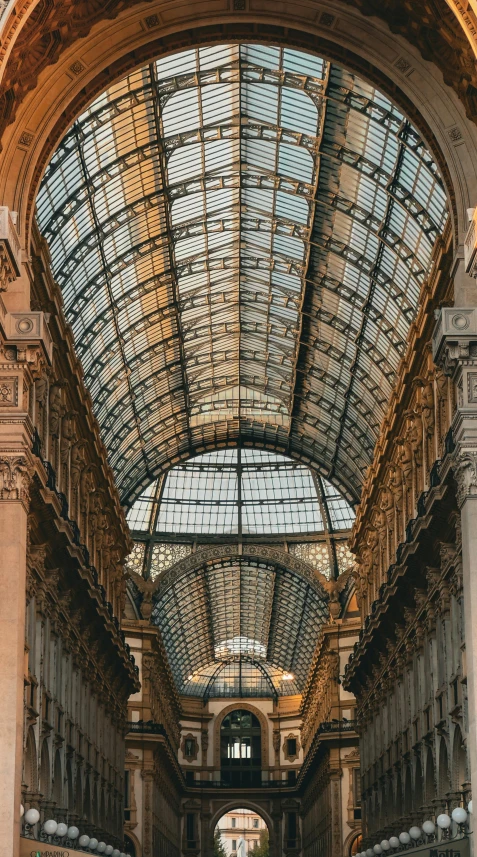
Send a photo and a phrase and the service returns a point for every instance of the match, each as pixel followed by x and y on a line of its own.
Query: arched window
pixel 241 749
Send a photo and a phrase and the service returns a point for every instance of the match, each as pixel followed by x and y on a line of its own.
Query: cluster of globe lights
pixel 61 830
pixel 411 838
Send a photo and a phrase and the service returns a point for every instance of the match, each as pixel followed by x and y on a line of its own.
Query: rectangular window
pixel 234 822
pixel 190 778
pixel 189 747
pixel 234 841
pixel 291 747
pixel 291 778
pixel 255 822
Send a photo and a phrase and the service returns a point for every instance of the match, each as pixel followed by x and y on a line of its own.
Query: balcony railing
pixel 220 784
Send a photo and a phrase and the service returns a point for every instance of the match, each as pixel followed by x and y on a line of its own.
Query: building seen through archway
pixel 238 391
pixel 241 832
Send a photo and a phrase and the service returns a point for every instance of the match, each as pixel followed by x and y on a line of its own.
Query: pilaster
pixel 455 350
pixel 25 346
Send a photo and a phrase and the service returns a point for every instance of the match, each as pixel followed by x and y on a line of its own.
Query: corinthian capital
pixel 465 472
pixel 16 473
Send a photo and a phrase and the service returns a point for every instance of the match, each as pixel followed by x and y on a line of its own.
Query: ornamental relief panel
pixel 408 471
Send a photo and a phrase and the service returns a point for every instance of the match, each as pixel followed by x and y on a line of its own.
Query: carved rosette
pixel 16 472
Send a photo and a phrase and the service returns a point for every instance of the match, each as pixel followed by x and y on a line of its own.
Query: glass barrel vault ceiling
pixel 241 234
pixel 243 626
pixel 240 491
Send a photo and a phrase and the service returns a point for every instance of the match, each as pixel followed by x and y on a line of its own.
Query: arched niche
pixel 58 780
pixel 430 781
pixel 443 775
pixel 459 761
pixel 30 776
pixel 45 770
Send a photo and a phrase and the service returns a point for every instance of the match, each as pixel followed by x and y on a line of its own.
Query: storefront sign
pixel 32 848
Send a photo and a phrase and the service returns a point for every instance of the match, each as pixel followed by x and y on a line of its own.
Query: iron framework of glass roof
pixel 240 491
pixel 239 626
pixel 241 233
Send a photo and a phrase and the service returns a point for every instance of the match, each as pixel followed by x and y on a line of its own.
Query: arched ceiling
pixel 239 609
pixel 241 234
pixel 36 33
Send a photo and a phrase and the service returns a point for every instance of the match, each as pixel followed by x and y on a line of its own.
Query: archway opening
pixel 241 832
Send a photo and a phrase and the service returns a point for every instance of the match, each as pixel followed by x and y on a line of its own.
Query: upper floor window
pixel 241 749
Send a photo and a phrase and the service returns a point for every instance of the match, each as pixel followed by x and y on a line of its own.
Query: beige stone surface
pixel 13 528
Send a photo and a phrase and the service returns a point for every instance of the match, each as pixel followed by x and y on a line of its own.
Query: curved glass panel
pixel 240 679
pixel 241 491
pixel 241 234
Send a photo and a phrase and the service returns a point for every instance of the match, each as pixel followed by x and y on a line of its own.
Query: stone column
pixel 25 346
pixel 15 472
pixel 455 350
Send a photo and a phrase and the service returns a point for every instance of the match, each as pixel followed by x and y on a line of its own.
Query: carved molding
pixel 191 757
pixel 465 472
pixel 16 472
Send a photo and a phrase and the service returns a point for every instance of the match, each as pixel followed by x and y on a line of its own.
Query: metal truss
pixel 252 219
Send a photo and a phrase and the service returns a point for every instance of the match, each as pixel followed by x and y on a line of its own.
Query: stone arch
pixel 103 819
pixel 58 780
pixel 79 792
pixel 130 845
pixel 407 797
pixel 374 57
pixel 31 763
pixel 45 770
pixel 430 782
pixel 87 799
pixel 70 795
pixel 230 805
pixel 398 795
pixel 418 785
pixel 136 843
pixel 349 842
pixel 264 724
pixel 459 761
pixel 95 813
pixel 443 776
pixel 59 86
